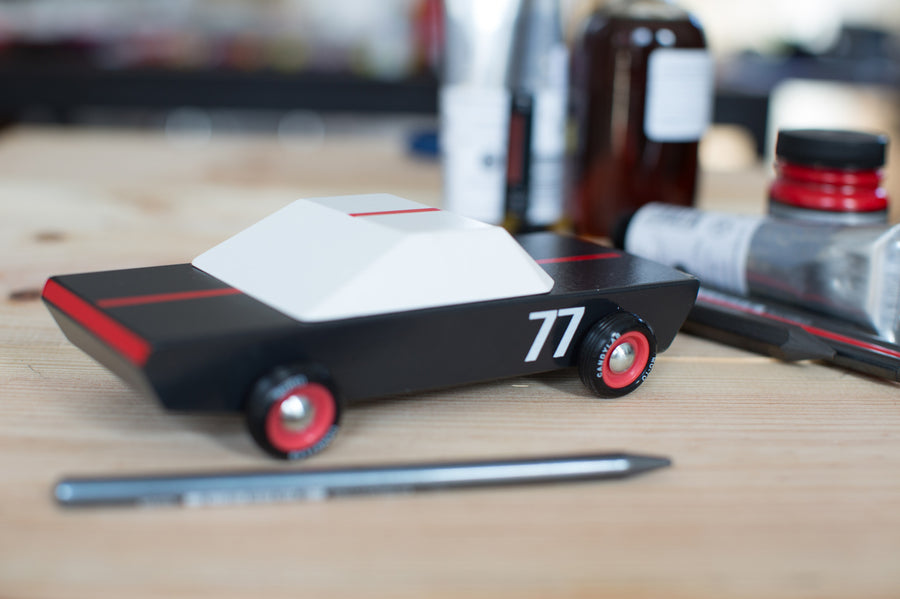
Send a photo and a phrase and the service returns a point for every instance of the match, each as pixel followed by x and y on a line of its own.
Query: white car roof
pixel 339 257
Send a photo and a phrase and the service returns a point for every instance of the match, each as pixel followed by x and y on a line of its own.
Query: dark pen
pixel 790 334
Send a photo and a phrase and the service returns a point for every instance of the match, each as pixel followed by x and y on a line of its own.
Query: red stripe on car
pixel 577 258
pixel 124 341
pixel 411 211
pixel 157 298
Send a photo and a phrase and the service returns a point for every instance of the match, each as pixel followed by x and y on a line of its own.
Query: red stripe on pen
pixel 157 298
pixel 577 258
pixel 411 211
pixel 125 342
pixel 848 340
pixel 812 330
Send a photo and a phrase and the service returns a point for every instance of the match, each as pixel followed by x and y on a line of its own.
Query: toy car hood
pixel 342 257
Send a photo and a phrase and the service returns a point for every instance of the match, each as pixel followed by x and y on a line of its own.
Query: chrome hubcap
pixel 622 358
pixel 297 412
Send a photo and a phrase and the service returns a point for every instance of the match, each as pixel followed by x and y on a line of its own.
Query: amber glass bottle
pixel 641 97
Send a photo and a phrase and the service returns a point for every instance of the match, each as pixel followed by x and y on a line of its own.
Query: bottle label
pixel 713 247
pixel 474 135
pixel 547 156
pixel 548 142
pixel 679 94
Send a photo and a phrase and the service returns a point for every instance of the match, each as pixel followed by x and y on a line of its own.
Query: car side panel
pixel 206 343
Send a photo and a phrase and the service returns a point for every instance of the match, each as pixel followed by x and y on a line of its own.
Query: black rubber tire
pixel 598 345
pixel 277 386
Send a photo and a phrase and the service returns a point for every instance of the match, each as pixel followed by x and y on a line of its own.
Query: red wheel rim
pixel 287 440
pixel 641 348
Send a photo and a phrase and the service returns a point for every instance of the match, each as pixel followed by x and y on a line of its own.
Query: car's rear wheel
pixel 616 355
pixel 293 412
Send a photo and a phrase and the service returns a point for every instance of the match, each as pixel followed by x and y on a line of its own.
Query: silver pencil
pixel 294 485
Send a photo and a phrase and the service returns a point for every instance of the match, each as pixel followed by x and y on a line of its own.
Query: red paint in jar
pixel 830 176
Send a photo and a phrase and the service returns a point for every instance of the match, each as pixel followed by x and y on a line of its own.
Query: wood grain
pixel 786 480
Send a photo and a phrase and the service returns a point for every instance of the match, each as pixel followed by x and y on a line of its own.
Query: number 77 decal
pixel 549 317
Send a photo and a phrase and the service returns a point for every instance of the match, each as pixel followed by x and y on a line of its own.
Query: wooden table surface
pixel 786 477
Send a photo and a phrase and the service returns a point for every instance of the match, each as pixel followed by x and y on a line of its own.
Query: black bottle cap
pixel 835 149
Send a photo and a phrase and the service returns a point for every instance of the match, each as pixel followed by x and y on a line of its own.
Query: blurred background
pixel 312 67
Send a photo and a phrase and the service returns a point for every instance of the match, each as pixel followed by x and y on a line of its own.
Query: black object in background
pixel 791 334
pixel 518 160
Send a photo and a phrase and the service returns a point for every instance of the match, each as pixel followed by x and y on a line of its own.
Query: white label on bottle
pixel 548 143
pixel 679 94
pixel 711 246
pixel 474 134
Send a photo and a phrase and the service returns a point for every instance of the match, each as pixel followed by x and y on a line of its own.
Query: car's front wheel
pixel 616 355
pixel 293 412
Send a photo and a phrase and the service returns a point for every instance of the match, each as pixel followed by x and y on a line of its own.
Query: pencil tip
pixel 641 463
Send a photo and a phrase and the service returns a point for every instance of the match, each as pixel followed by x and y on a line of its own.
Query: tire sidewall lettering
pixel 290 384
pixel 602 359
pixel 648 368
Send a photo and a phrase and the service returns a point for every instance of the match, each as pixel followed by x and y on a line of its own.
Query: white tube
pixel 475 104
pixel 851 272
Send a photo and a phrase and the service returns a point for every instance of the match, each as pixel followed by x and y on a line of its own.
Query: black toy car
pixel 196 342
